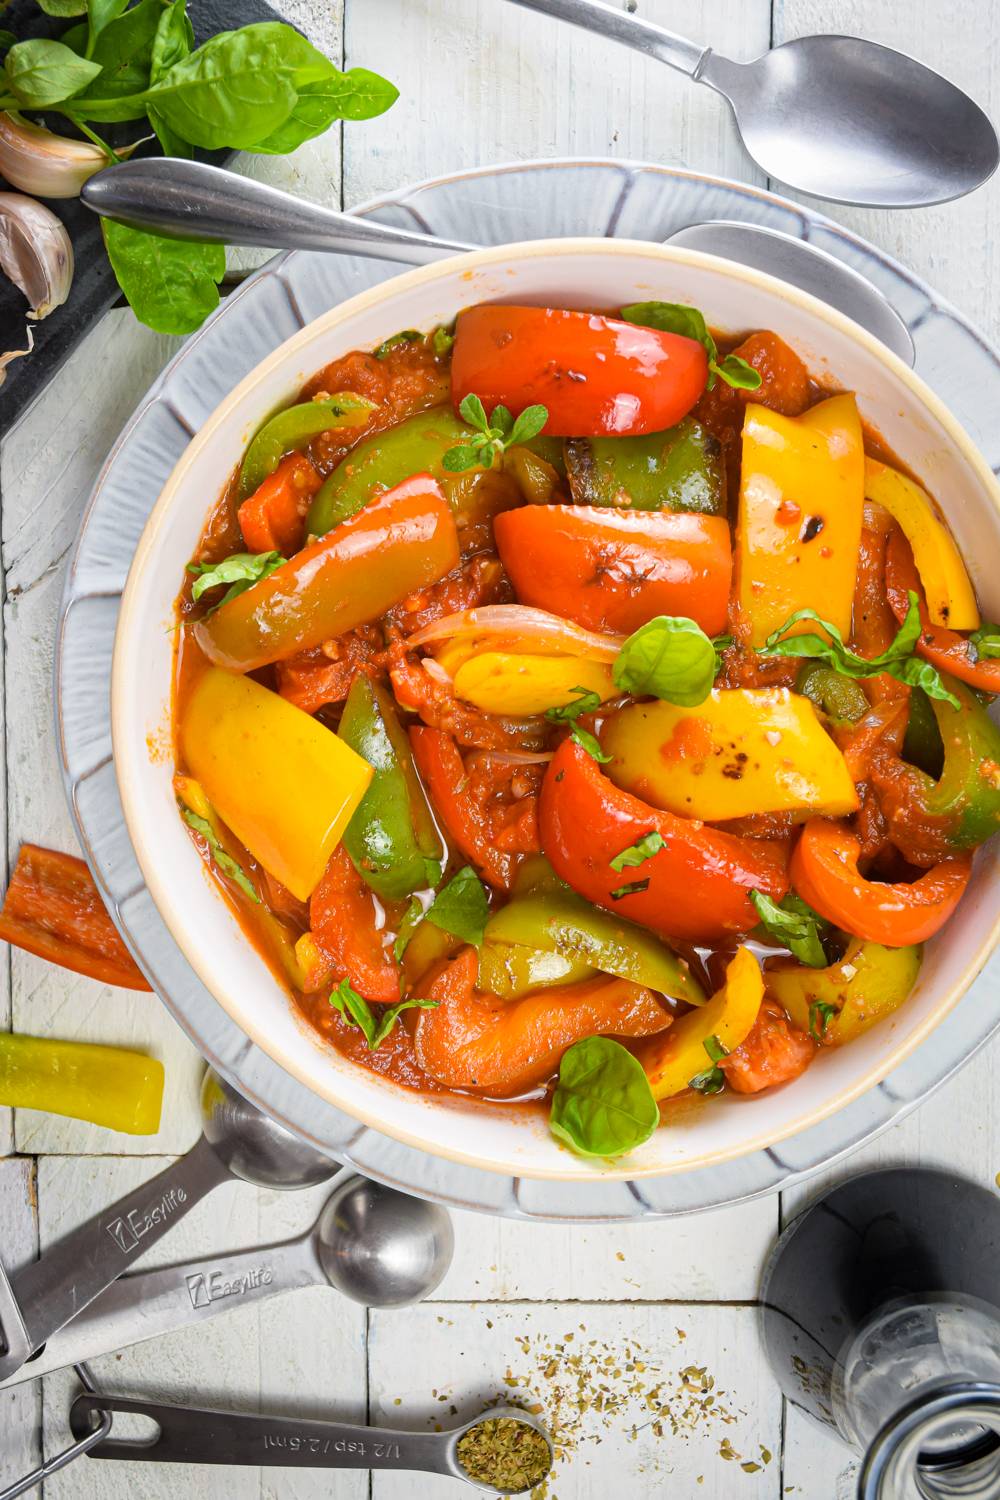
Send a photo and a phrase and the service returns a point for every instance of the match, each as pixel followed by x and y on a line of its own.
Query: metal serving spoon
pixel 375 1245
pixel 191 200
pixel 196 1435
pixel 836 116
pixel 238 1141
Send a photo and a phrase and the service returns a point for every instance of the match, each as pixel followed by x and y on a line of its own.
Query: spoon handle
pixel 196 1435
pixel 53 1289
pixel 619 26
pixel 146 1304
pixel 191 200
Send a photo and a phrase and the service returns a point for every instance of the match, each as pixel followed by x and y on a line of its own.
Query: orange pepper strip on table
pixel 475 1041
pixel 614 569
pixel 943 648
pixel 53 909
pixel 272 519
pixel 696 888
pixel 825 873
pixel 344 940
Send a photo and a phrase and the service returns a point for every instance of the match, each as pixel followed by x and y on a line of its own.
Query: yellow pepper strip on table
pixel 801 504
pixel 107 1086
pixel 741 751
pixel 951 599
pixel 516 684
pixel 285 784
pixel 672 1059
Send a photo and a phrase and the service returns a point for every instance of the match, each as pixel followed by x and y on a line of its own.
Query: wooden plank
pixel 302 1354
pixel 481 81
pixel 697 1258
pixel 20 1407
pixel 670 1394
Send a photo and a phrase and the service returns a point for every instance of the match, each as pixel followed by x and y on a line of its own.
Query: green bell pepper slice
pixel 922 744
pixel 836 695
pixel 292 429
pixel 562 923
pixel 107 1086
pixel 391 838
pixel 681 469
pixel 416 446
pixel 838 1003
pixel 966 796
pixel 511 970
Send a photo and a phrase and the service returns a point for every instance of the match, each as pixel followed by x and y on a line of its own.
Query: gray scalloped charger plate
pixel 493 205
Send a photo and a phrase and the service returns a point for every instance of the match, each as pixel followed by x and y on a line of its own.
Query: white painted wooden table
pixel 480 81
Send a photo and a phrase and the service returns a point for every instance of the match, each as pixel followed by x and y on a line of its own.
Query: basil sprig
pixel 357 1012
pixel 794 923
pixel 677 317
pixel 897 659
pixel 669 657
pixel 461 907
pixel 493 436
pixel 241 570
pixel 603 1104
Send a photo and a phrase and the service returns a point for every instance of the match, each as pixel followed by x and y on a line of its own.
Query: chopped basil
pixel 636 854
pixel 669 657
pixel 587 702
pixel 461 907
pixel 820 1015
pixel 986 641
pixel 241 570
pixel 603 1104
pixel 794 923
pixel 590 743
pixel 408 925
pixel 713 1080
pixel 225 862
pixel 442 341
pixel 405 336
pixel 632 889
pixel 715 1049
pixel 357 1012
pixel 677 317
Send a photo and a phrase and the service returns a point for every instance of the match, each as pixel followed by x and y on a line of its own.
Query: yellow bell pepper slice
pixel 801 505
pixel 951 599
pixel 107 1086
pixel 841 1002
pixel 515 683
pixel 285 784
pixel 742 751
pixel 676 1056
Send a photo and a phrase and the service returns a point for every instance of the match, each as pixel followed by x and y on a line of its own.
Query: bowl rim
pixel 625 1168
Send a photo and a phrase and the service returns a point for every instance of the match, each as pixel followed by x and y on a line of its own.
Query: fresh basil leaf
pixel 677 317
pixel 172 41
pixel 712 1081
pixel 461 907
pixel 389 1017
pixel 171 284
pixel 405 336
pixel 63 8
pixel 241 570
pixel 587 703
pixel 41 73
pixel 7 39
pixel 821 1013
pixel 897 659
pixel 341 96
pixel 590 743
pixel 123 48
pixel 633 888
pixel 170 141
pixel 716 1051
pixel 795 924
pixel 220 857
pixel 669 657
pixel 528 425
pixel 603 1104
pixel 408 925
pixel 636 854
pixel 357 1012
pixel 986 641
pixel 99 14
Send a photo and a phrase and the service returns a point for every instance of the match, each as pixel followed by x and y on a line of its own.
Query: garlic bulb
pixel 35 252
pixel 40 162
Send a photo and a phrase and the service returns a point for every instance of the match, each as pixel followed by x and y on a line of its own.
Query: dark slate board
pixel 94 287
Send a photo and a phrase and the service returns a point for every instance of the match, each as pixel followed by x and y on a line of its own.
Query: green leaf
pixel 355 95
pixel 99 14
pixel 240 570
pixel 587 703
pixel 7 39
pixel 795 924
pixel 897 659
pixel 677 317
pixel 603 1104
pixel 633 888
pixel 986 641
pixel 356 1010
pixel 42 73
pixel 473 411
pixel 171 142
pixel 63 8
pixel 225 861
pixel 669 657
pixel 124 50
pixel 716 1051
pixel 408 925
pixel 821 1013
pixel 173 39
pixel 463 456
pixel 405 336
pixel 712 1081
pixel 528 425
pixel 171 284
pixel 461 907
pixel 442 341
pixel 590 743
pixel 636 854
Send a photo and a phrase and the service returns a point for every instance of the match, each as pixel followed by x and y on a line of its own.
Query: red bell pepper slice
pixel 943 648
pixel 53 909
pixel 825 873
pixel 272 519
pixel 343 932
pixel 695 889
pixel 613 569
pixel 596 376
pixel 774 1052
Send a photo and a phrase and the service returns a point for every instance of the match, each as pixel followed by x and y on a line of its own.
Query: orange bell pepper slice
pixel 53 909
pixel 943 648
pixel 500 1047
pixel 774 1052
pixel 273 518
pixel 344 940
pixel 825 873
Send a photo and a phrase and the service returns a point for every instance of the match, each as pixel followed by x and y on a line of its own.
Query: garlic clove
pixel 40 162
pixel 35 252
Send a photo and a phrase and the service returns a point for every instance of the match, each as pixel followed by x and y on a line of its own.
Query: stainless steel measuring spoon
pixel 196 1435
pixel 238 1141
pixel 375 1245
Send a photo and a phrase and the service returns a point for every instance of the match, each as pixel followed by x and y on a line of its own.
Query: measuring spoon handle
pixel 148 1303
pixel 188 1434
pixel 53 1289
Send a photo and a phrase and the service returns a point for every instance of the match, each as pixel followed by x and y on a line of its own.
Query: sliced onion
pixel 515 757
pixel 530 629
pixel 436 670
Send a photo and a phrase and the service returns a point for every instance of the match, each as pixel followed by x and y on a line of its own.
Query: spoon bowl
pixel 380 1247
pixel 252 1146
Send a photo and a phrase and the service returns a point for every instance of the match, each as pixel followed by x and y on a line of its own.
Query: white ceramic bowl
pixel 566 273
